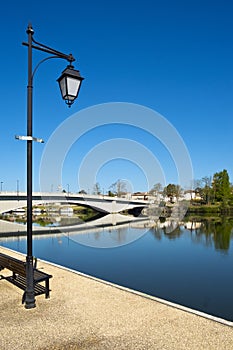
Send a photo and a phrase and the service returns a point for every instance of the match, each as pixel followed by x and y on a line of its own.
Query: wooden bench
pixel 18 277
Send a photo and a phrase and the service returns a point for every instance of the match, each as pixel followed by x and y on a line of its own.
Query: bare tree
pixel 96 188
pixel 156 189
pixel 118 187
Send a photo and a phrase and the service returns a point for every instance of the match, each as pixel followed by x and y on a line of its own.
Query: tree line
pixel 215 189
pixel 208 190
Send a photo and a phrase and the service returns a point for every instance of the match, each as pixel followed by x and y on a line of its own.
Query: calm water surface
pixel 192 266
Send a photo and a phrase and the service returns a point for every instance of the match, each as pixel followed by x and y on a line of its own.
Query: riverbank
pixel 84 313
pixel 217 209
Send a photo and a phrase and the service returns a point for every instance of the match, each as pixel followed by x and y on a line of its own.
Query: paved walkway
pixel 86 314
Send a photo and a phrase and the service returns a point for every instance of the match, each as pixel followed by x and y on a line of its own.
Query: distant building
pixel 190 195
pixel 127 195
pixel 140 195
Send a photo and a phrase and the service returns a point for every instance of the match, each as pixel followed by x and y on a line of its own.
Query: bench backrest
pixel 15 265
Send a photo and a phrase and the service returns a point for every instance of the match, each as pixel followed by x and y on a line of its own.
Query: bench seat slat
pixel 40 276
pixel 21 282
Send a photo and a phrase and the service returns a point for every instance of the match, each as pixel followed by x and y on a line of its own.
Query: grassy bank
pixel 210 209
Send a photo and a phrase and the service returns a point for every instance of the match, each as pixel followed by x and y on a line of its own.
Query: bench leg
pixel 23 297
pixel 47 289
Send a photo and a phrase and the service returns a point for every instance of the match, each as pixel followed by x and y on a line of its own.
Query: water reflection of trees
pixel 218 232
pixel 209 231
pixel 159 232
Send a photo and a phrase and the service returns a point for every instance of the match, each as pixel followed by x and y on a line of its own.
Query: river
pixel 191 265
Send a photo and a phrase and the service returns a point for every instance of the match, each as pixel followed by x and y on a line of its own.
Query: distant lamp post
pixel 1 185
pixel 70 82
pixel 17 188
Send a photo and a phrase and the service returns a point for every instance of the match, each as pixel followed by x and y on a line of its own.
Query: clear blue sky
pixel 175 57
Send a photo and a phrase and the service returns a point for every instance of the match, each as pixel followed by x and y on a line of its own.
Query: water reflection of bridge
pixel 11 201
pixel 10 229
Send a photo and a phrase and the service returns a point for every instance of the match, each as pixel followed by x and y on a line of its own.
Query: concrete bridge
pixel 16 200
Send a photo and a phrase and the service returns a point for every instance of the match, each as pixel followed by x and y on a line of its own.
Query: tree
pixel 172 191
pixel 231 195
pixel 222 187
pixel 204 189
pixel 82 192
pixel 206 192
pixel 96 188
pixel 110 194
pixel 118 187
pixel 156 189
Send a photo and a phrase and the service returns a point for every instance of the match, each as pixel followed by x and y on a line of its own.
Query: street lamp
pixel 70 82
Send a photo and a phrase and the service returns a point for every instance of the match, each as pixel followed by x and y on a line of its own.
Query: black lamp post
pixel 70 82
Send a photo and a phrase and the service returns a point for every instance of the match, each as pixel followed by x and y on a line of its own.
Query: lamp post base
pixel 30 301
pixel 30 305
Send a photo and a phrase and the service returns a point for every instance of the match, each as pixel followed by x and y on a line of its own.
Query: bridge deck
pixel 13 201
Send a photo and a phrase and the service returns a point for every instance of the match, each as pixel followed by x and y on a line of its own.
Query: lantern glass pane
pixel 63 86
pixel 72 86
